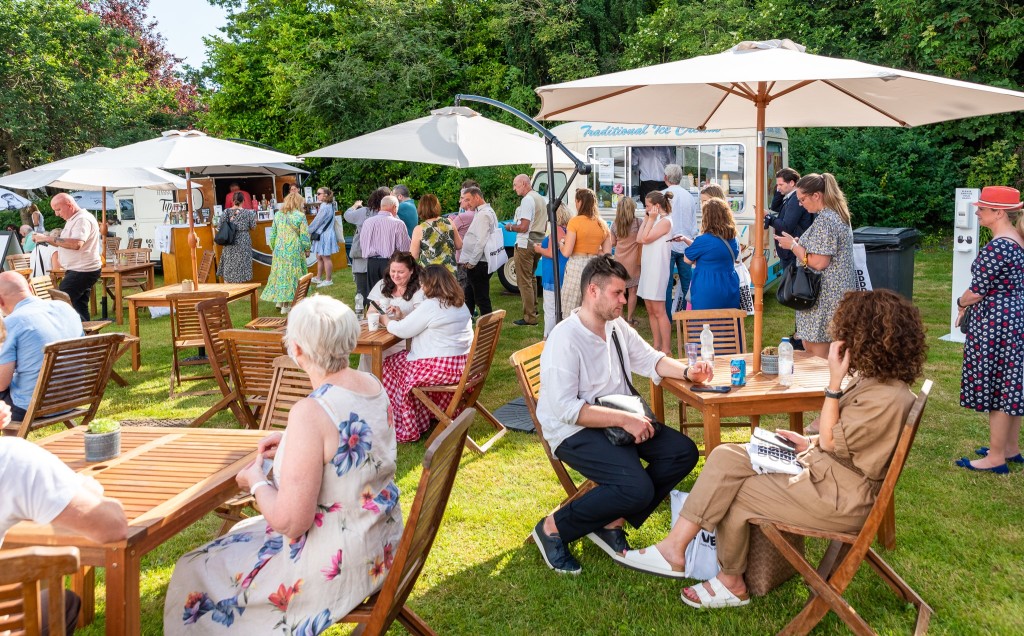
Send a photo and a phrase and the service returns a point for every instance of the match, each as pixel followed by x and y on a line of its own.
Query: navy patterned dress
pixel 993 373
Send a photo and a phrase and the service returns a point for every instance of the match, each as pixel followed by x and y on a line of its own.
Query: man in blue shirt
pixel 406 207
pixel 31 323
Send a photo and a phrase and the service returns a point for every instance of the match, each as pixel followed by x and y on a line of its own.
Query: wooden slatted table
pixel 167 479
pixel 374 344
pixel 116 273
pixel 158 298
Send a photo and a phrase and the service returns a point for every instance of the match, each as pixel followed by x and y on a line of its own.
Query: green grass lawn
pixel 960 536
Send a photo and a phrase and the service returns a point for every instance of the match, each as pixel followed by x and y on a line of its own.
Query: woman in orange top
pixel 586 236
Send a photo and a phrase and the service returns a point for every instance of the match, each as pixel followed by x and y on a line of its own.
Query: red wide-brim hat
pixel 1000 198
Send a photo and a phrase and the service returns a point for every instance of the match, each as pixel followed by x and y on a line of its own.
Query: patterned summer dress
pixel 289 240
pixel 254 581
pixel 437 247
pixel 236 260
pixel 828 235
pixel 993 356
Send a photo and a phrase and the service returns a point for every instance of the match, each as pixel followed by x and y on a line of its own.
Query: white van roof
pixel 577 132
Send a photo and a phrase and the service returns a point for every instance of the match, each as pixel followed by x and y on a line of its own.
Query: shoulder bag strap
pixel 728 247
pixel 622 362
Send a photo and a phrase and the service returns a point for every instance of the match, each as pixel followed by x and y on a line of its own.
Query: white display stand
pixel 965 250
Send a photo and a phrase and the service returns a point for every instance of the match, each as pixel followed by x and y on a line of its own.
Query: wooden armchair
pixel 289 385
pixel 279 322
pixel 71 382
pixel 846 552
pixel 730 339
pixel 466 393
pixel 111 244
pixel 22 571
pixel 41 286
pixel 526 362
pixel 205 266
pixel 138 281
pixel 251 356
pixel 186 333
pixel 440 465
pixel 213 318
pixel 134 244
pixel 19 262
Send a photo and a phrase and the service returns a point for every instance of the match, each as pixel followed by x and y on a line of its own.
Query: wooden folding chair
pixel 24 572
pixel 41 286
pixel 214 317
pixel 205 266
pixel 730 339
pixel 111 245
pixel 187 334
pixel 134 244
pixel 19 262
pixel 526 362
pixel 71 382
pixel 466 393
pixel 440 465
pixel 289 385
pixel 251 356
pixel 278 322
pixel 138 281
pixel 846 551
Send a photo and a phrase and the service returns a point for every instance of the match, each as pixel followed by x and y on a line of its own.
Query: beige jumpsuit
pixel 827 495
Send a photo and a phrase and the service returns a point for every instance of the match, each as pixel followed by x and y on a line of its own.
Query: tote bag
pixel 495 249
pixel 339 229
pixel 746 297
pixel 701 553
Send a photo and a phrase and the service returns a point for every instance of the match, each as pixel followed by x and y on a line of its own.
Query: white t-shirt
pixel 405 306
pixel 36 485
pixel 436 331
pixel 524 211
pixel 577 367
pixel 684 215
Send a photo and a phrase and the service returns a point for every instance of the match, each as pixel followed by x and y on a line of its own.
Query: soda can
pixel 738 369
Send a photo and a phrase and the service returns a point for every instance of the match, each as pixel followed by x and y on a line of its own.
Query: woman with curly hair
pixel 878 339
pixel 715 284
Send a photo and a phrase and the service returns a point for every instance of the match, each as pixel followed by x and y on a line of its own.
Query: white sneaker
pixel 284 310
pixel 315 279
pixel 325 283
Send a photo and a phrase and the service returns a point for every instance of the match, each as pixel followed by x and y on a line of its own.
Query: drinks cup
pixel 692 351
pixel 373 321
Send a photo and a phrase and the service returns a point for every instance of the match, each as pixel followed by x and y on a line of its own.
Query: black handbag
pixel 314 236
pixel 225 233
pixel 965 320
pixel 632 403
pixel 799 287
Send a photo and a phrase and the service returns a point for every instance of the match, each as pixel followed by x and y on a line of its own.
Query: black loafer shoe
pixel 554 552
pixel 611 540
pixel 523 323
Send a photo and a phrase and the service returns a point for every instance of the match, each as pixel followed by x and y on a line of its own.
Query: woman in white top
pixel 654 235
pixel 398 293
pixel 440 333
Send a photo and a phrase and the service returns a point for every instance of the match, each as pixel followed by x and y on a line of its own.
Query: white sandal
pixel 650 561
pixel 722 597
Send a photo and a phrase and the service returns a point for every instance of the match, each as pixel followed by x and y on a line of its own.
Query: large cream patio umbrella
pixel 773 83
pixel 180 150
pixel 453 136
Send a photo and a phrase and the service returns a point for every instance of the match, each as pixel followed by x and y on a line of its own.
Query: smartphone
pixel 678 238
pixel 783 441
pixel 373 303
pixel 711 389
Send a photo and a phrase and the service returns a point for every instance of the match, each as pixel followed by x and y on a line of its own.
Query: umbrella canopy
pixel 270 169
pixel 11 201
pixel 55 175
pixel 453 136
pixel 773 83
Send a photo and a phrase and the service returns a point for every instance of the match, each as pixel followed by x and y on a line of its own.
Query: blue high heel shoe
pixel 1001 469
pixel 1016 459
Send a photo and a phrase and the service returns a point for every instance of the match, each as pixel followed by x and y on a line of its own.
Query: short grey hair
pixel 402 191
pixel 673 173
pixel 326 329
pixel 389 199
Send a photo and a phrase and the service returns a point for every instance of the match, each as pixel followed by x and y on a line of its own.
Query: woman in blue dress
pixel 715 284
pixel 326 244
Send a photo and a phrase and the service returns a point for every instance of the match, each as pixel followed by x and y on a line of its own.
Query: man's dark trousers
pixel 78 285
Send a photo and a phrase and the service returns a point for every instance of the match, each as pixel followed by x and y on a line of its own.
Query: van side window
pixel 540 183
pixel 127 209
pixel 608 179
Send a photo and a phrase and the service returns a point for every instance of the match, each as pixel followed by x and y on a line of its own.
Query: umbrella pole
pixel 193 240
pixel 103 245
pixel 553 230
pixel 758 266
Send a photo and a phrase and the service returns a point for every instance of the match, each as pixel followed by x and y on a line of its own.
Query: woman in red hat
pixel 993 371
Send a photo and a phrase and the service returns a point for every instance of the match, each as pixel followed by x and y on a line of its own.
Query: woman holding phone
pixel 653 235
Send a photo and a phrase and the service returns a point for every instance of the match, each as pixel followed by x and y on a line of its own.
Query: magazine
pixel 769 455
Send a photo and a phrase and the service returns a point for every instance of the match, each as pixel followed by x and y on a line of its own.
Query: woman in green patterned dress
pixel 435 239
pixel 289 241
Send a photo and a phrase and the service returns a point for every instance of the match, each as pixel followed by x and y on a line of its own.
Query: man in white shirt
pixel 650 163
pixel 684 221
pixel 78 248
pixel 530 222
pixel 473 257
pixel 40 488
pixel 580 363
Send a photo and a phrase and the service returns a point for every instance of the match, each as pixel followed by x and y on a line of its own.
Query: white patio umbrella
pixel 12 201
pixel 94 200
pixel 182 150
pixel 773 83
pixel 453 136
pixel 270 169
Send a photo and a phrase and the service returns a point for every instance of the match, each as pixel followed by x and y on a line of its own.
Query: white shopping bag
pixel 860 267
pixel 701 554
pixel 495 250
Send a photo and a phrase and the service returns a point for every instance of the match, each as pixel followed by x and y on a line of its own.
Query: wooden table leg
pixel 712 427
pixel 658 401
pixel 796 422
pixel 377 362
pixel 887 529
pixel 83 583
pixel 92 296
pixel 124 609
pixel 133 328
pixel 151 277
pixel 118 296
pixel 254 305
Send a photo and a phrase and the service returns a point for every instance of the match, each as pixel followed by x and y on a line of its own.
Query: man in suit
pixel 787 216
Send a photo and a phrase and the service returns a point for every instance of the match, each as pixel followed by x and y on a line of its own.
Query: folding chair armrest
pixel 446 388
pixel 806 532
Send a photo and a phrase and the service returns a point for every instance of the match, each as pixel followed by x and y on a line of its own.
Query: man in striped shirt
pixel 380 237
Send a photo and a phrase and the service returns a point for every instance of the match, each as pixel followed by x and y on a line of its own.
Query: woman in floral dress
pixel 236 259
pixel 289 240
pixel 435 239
pixel 331 522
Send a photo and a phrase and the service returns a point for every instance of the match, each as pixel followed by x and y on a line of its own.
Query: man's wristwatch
pixel 835 395
pixel 686 374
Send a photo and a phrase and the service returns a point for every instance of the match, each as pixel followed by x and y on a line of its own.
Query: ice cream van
pixel 725 157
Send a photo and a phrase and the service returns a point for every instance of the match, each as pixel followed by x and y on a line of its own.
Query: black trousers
pixel 478 288
pixel 72 606
pixel 77 285
pixel 361 287
pixel 647 187
pixel 17 413
pixel 376 267
pixel 625 488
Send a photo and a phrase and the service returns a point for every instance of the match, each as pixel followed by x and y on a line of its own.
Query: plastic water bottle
pixel 785 363
pixel 707 345
pixel 359 306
